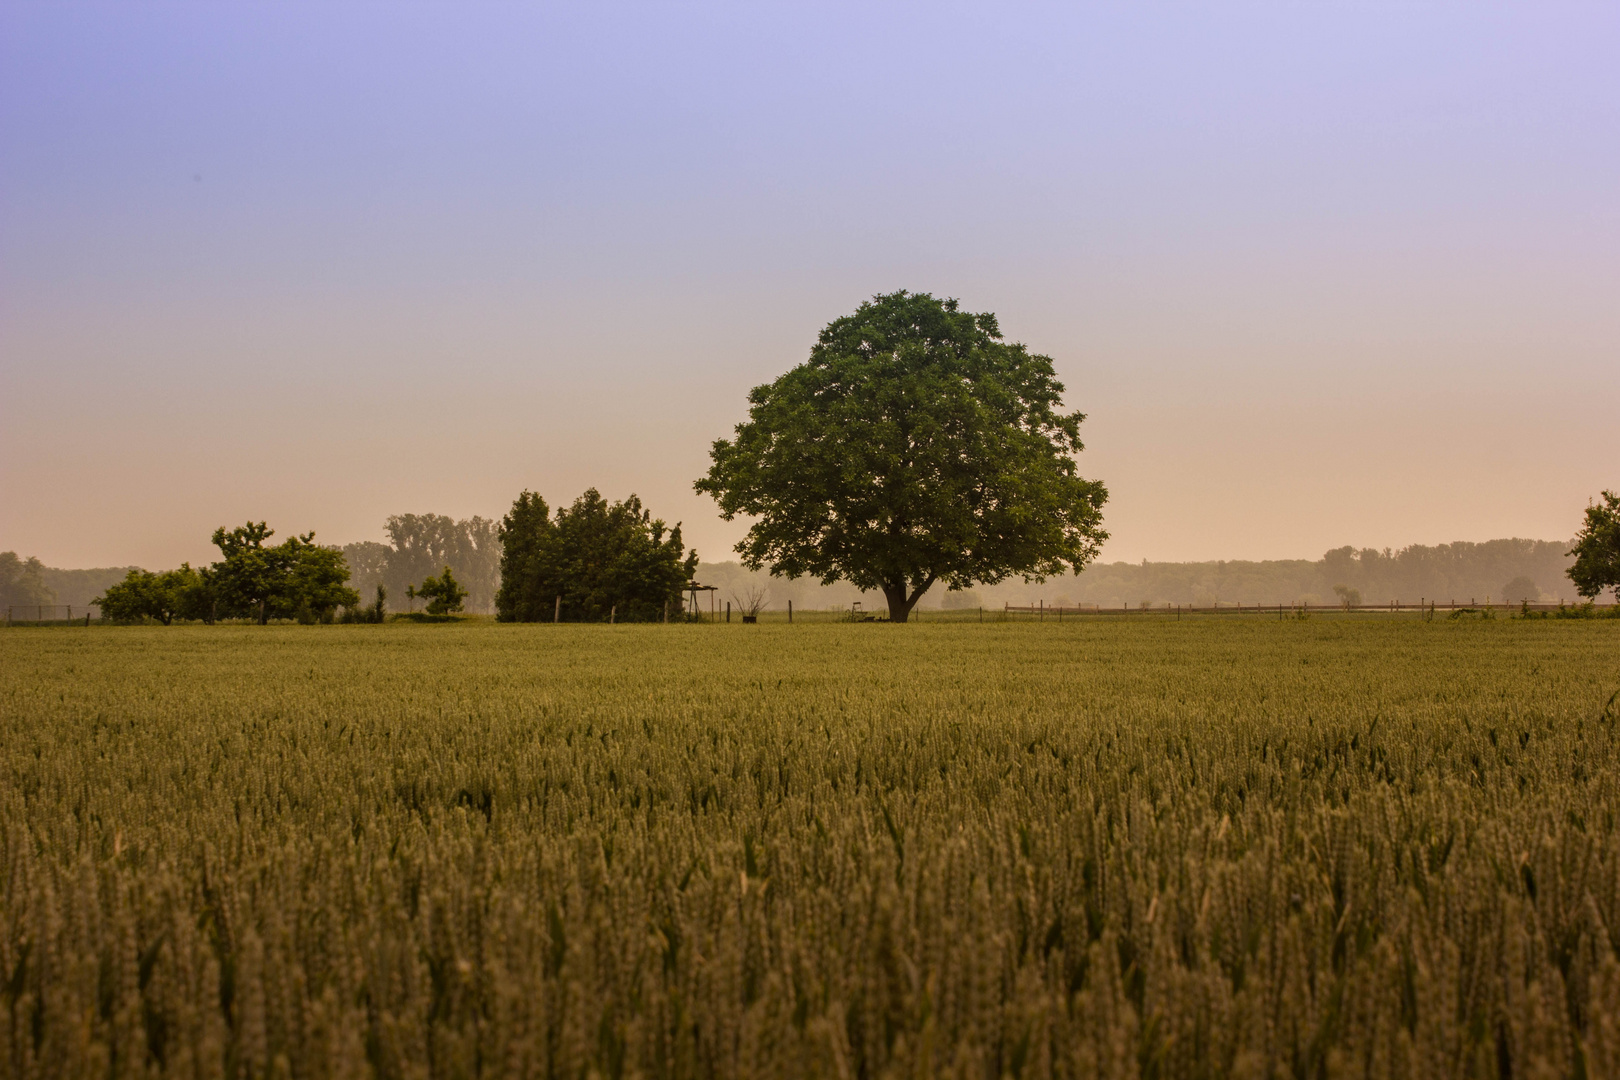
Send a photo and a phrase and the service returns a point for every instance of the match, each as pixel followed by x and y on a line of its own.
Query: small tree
pixel 1597 549
pixel 751 599
pixel 444 594
pixel 1520 588
pixel 1348 597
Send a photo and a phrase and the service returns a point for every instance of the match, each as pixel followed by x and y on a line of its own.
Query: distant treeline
pixel 1510 570
pixel 422 544
pixel 27 581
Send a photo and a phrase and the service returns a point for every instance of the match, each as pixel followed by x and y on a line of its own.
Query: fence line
pixel 1392 607
pixel 42 614
pixel 69 614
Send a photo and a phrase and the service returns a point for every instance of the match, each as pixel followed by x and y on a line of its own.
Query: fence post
pixel 556 612
pixel 790 611
pixel 612 612
pixel 728 611
pixel 666 611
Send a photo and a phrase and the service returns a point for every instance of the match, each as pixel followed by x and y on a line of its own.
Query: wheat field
pixel 1239 847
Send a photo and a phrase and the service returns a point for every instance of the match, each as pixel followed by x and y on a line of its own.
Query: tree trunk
pixel 264 612
pixel 899 606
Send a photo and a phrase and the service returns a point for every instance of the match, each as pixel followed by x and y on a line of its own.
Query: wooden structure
pixel 694 588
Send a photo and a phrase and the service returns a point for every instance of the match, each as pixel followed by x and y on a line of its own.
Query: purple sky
pixel 1319 274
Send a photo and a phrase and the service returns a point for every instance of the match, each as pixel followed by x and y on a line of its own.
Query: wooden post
pixel 790 611
pixel 666 611
pixel 612 612
pixel 728 611
pixel 556 612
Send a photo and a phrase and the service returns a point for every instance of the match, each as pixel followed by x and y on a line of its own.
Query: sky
pixel 1318 274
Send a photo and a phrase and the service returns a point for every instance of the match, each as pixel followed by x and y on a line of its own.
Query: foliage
pixel 1522 589
pixel 601 558
pixel 368 563
pixel 255 580
pixel 419 544
pixel 80 586
pixel 22 582
pixel 1597 549
pixel 374 612
pixel 1588 610
pixel 162 597
pixel 526 534
pixel 914 446
pixel 444 593
pixel 1348 597
pixel 1337 848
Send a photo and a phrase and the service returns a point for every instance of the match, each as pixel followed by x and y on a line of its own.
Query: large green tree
pixel 600 558
pixel 260 581
pixel 915 446
pixel 528 572
pixel 1597 549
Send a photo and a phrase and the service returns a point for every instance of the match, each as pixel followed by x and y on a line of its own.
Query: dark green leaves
pixel 1597 549
pixel 914 446
pixel 597 558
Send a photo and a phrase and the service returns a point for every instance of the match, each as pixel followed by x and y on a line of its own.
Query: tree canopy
pixel 914 446
pixel 444 593
pixel 184 593
pixel 600 558
pixel 294 577
pixel 22 581
pixel 1597 549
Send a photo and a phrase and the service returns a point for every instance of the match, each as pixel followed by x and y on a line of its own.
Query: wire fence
pixel 85 614
pixel 1044 613
pixel 51 614
pixel 1283 610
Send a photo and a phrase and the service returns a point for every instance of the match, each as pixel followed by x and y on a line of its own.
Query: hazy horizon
pixel 1325 276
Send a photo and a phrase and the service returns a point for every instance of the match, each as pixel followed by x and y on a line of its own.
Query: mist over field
pixel 1460 571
